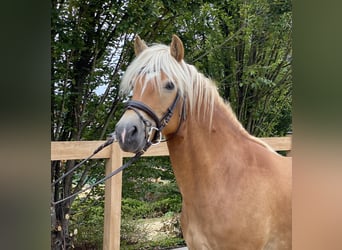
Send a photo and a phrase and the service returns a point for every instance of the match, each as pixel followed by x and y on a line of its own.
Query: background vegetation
pixel 244 45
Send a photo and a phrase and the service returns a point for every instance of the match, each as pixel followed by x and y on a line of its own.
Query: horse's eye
pixel 169 86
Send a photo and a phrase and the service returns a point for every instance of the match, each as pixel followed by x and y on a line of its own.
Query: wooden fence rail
pixel 73 150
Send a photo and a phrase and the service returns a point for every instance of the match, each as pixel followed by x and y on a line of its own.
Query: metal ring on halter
pixel 151 136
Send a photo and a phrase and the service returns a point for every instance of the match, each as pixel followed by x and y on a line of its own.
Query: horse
pixel 236 190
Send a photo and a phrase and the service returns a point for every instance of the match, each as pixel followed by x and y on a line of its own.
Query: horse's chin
pixel 131 146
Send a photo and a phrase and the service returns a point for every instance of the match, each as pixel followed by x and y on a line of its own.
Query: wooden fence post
pixel 112 211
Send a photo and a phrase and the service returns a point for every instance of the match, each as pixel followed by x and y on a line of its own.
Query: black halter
pixel 151 138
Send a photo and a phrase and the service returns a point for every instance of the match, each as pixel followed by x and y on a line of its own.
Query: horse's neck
pixel 197 150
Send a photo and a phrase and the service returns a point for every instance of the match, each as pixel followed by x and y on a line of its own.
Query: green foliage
pixel 164 243
pixel 137 209
pixel 246 47
pixel 132 233
pixel 149 191
pixel 141 179
pixel 87 222
pixel 167 205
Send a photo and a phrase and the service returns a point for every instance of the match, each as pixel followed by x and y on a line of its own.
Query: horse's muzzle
pixel 130 133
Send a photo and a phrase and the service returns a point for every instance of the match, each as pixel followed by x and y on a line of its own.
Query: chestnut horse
pixel 236 190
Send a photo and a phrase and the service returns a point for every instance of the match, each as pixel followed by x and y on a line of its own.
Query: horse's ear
pixel 139 45
pixel 177 49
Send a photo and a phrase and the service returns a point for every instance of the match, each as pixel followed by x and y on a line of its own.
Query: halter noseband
pixel 160 124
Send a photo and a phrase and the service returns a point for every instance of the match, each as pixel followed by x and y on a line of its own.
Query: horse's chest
pixel 210 228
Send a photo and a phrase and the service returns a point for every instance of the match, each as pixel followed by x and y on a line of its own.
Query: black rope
pixel 116 171
pixel 107 143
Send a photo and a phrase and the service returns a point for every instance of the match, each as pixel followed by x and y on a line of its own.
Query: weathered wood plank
pixel 70 150
pixel 279 143
pixel 157 150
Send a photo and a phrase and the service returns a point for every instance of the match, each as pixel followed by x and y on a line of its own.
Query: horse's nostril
pixel 133 130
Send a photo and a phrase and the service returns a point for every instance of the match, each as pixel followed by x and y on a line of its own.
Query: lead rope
pixel 107 143
pixel 116 171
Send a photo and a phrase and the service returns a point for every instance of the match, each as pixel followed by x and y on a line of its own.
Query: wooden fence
pixel 73 150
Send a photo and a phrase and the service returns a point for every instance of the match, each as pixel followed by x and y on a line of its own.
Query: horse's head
pixel 157 100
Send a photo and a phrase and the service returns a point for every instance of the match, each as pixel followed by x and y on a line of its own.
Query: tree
pixel 246 47
pixel 87 53
pixel 91 47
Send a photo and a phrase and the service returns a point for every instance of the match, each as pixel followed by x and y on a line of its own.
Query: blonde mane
pixel 199 91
